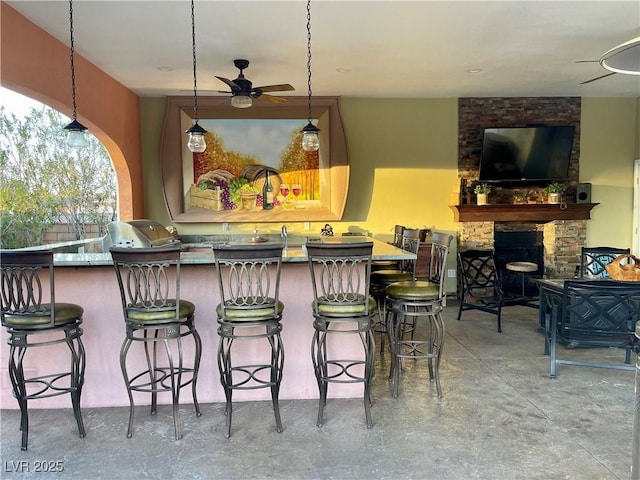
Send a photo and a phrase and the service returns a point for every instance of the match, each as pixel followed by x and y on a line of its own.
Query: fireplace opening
pixel 524 246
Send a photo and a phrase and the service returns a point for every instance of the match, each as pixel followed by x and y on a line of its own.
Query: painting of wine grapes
pixel 241 153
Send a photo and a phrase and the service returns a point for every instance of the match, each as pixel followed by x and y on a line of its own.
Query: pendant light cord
pixel 309 57
pixel 73 69
pixel 195 80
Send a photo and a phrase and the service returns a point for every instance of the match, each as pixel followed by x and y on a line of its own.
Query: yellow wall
pixel 608 147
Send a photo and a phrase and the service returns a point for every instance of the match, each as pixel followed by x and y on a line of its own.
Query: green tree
pixel 43 181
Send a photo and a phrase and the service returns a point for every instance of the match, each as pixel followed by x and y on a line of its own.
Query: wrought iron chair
pixel 249 282
pixel 412 303
pixel 593 261
pixel 28 312
pixel 156 316
pixel 342 306
pixel 595 313
pixel 481 287
pixel 380 279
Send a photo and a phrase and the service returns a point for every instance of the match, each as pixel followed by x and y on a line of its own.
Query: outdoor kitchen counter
pixel 89 280
pixel 200 253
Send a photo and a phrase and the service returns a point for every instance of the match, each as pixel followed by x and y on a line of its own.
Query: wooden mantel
pixel 538 212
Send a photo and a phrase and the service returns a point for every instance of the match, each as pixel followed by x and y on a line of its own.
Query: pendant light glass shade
pixel 196 143
pixel 76 137
pixel 310 141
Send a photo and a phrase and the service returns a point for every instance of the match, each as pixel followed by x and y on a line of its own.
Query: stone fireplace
pixel 559 232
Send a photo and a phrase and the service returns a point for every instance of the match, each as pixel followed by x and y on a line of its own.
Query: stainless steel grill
pixel 139 234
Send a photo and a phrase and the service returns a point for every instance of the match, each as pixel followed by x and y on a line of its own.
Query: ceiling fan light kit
pixel 624 58
pixel 241 101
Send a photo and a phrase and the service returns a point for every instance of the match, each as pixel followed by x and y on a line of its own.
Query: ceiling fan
pixel 625 58
pixel 242 90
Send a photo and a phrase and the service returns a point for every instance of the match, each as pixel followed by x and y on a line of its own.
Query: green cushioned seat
pixel 413 290
pixel 65 313
pixel 333 308
pixel 251 313
pixel 186 309
pixel 390 276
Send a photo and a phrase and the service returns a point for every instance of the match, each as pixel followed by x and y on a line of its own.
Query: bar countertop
pixel 201 253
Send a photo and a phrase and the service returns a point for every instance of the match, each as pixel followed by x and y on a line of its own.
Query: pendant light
pixel 310 142
pixel 196 133
pixel 75 130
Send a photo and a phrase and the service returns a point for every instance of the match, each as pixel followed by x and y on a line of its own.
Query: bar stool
pixel 249 309
pixel 25 278
pixel 155 315
pixel 342 306
pixel 418 304
pixel 380 279
pixel 376 265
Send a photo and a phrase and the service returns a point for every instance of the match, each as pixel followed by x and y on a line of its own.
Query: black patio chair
pixel 596 313
pixel 593 261
pixel 480 286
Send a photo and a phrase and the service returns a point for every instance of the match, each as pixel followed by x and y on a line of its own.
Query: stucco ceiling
pixel 359 48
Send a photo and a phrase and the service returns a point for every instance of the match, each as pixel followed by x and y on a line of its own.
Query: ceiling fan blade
pixel 285 87
pixel 598 78
pixel 587 61
pixel 231 84
pixel 274 99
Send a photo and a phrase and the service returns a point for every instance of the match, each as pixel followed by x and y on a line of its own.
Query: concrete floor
pixel 501 417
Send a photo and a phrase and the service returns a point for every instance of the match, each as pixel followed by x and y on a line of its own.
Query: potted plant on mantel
pixel 482 190
pixel 554 192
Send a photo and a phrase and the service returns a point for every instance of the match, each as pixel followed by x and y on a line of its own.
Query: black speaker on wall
pixel 583 193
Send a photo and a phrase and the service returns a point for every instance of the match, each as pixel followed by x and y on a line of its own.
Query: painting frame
pixel 174 155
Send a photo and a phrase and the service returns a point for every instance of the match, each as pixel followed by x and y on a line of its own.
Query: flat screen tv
pixel 526 153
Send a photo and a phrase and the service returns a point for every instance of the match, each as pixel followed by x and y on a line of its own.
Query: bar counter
pixel 89 280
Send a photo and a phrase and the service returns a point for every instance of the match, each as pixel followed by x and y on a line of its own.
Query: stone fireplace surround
pixel 562 239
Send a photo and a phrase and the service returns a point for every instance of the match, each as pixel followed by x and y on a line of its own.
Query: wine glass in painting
pixel 296 188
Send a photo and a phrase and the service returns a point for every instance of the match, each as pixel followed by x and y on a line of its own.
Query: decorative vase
pixel 554 198
pixel 482 199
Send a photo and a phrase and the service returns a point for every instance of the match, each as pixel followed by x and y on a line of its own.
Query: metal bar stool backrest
pixel 397 235
pixel 249 280
pixel 26 277
pixel 410 243
pixel 340 276
pixel 438 261
pixel 149 281
pixel 593 260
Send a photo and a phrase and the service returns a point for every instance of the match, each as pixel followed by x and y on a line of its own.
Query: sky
pixel 15 103
pixel 266 139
